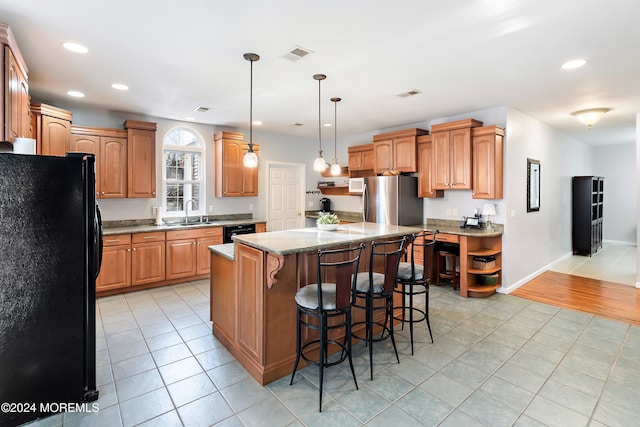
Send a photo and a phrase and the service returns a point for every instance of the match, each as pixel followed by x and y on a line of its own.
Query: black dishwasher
pixel 232 230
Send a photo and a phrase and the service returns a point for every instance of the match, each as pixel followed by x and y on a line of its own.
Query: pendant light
pixel 250 159
pixel 319 165
pixel 335 167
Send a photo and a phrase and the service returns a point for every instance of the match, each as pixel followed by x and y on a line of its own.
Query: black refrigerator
pixel 50 255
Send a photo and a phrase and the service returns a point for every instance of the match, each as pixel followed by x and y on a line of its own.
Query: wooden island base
pixel 253 307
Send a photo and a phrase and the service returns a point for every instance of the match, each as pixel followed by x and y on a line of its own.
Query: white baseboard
pixel 513 287
pixel 620 242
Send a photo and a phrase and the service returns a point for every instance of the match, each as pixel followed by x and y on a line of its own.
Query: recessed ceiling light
pixel 75 94
pixel 327 125
pixel 257 122
pixel 574 63
pixel 120 86
pixel 190 119
pixel 75 47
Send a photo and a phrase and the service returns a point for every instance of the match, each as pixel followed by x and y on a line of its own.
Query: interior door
pixel 286 204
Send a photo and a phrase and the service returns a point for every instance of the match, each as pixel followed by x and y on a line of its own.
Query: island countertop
pixel 308 239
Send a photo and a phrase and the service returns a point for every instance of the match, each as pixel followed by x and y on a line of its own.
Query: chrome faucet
pixel 186 211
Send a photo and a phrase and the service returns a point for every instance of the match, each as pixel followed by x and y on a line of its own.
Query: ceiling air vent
pixel 201 109
pixel 409 93
pixel 297 124
pixel 297 53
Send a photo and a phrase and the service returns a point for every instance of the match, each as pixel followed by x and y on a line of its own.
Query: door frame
pixel 301 172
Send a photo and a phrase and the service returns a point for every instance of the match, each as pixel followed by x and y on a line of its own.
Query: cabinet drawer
pixel 184 234
pixel 451 238
pixel 210 232
pixel 116 239
pixel 154 236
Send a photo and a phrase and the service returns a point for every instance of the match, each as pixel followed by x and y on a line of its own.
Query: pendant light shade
pixel 319 165
pixel 335 167
pixel 250 159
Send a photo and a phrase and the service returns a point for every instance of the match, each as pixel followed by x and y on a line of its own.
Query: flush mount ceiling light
pixel 120 86
pixel 319 164
pixel 591 116
pixel 250 159
pixel 75 94
pixel 335 167
pixel 75 47
pixel 574 63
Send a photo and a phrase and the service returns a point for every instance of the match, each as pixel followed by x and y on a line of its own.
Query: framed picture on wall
pixel 533 185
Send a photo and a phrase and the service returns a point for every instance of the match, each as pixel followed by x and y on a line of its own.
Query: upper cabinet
pixel 15 121
pixel 141 153
pixel 360 160
pixel 487 162
pixel 232 178
pixel 396 152
pixel 452 154
pixel 51 129
pixel 110 148
pixel 425 168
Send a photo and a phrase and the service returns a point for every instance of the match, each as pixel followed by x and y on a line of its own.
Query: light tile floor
pixel 613 263
pixel 499 361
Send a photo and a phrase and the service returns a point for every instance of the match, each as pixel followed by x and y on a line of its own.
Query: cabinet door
pixel 441 163
pixel 261 227
pixel 367 159
pixel 16 85
pixel 204 255
pixel 232 168
pixel 425 171
pixel 355 161
pixel 147 262
pixel 249 176
pixel 56 137
pixel 142 158
pixel 404 154
pixel 460 157
pixel 113 165
pixel 181 258
pixel 483 168
pixel 115 271
pixel 383 156
pixel 88 144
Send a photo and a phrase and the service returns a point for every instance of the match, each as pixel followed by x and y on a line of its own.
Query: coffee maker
pixel 325 205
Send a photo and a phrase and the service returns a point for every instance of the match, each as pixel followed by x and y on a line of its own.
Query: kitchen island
pixel 254 311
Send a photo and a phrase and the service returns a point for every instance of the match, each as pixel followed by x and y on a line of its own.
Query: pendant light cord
pixel 251 110
pixel 319 120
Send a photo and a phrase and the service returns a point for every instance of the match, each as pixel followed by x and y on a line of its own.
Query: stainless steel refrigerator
pixel 50 254
pixel 392 200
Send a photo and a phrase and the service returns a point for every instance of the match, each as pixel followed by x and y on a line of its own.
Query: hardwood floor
pixel 611 300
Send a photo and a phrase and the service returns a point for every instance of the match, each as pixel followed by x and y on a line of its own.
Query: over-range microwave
pixel 356 185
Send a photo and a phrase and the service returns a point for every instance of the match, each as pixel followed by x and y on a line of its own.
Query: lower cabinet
pixel 188 252
pixel 147 258
pixel 115 271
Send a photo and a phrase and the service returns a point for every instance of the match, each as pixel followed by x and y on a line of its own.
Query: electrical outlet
pixel 448 211
pixel 250 206
pixel 454 212
pixel 513 213
pixel 210 208
pixel 310 204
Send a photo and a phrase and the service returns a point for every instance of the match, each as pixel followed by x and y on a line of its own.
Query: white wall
pixel 618 165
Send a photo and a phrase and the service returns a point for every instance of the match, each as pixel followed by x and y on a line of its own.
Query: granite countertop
pixel 227 250
pixel 453 227
pixel 145 228
pixel 308 239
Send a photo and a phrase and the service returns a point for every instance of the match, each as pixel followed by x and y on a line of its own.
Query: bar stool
pixel 446 266
pixel 413 278
pixel 372 287
pixel 326 300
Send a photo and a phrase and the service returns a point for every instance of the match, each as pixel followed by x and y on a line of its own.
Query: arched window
pixel 183 173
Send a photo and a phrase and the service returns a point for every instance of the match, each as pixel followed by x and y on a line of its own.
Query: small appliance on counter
pixel 325 205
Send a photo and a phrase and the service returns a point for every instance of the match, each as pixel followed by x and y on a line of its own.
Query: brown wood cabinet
pixel 188 253
pixel 208 237
pixel 52 129
pixel 487 162
pixel 452 154
pixel 396 151
pixel 425 168
pixel 360 160
pixel 115 271
pixel 110 148
pixel 147 258
pixel 141 156
pixel 232 178
pixel 15 120
pixel 261 227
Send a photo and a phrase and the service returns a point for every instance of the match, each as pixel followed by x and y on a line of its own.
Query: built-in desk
pixel 472 243
pixel 254 311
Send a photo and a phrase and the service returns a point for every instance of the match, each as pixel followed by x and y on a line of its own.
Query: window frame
pixel 201 150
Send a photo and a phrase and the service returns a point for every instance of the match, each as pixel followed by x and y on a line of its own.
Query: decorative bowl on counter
pixel 328 227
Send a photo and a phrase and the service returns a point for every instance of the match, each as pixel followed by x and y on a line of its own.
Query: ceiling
pixel 462 56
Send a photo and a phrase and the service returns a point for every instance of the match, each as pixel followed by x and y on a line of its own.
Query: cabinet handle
pixel 112 241
pixel 134 249
pixel 128 250
pixel 154 193
pixel 149 237
pixel 102 193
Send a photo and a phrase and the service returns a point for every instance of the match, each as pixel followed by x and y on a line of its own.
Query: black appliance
pixel 231 230
pixel 50 255
pixel 325 205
